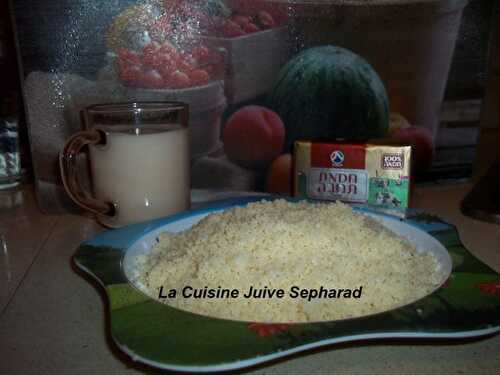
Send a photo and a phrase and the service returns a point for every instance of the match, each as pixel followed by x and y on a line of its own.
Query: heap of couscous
pixel 329 261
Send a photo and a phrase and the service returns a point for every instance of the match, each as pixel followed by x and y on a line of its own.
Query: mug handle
pixel 67 164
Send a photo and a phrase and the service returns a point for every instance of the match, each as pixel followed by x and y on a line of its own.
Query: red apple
pixel 253 136
pixel 422 146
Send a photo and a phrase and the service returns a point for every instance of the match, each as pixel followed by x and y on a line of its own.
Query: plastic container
pixel 253 62
pixel 409 42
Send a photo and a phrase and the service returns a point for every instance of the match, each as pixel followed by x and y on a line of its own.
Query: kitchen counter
pixel 53 321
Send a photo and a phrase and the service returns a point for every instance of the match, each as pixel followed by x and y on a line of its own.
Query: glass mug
pixel 139 160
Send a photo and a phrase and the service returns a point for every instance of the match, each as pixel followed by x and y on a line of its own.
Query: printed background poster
pixel 258 76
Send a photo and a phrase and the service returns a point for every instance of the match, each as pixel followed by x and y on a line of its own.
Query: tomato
pixel 189 59
pixel 130 75
pixel 201 54
pixel 266 19
pixel 169 49
pixel 156 60
pixel 199 77
pixel 151 79
pixel 232 29
pixel 128 57
pixel 251 28
pixel 150 54
pixel 241 20
pixel 179 80
pixel 167 67
pixel 184 66
pixel 151 48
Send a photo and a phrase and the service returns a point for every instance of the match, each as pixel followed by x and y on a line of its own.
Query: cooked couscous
pixel 296 262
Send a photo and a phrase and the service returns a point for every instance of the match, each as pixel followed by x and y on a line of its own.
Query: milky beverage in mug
pixel 139 160
pixel 143 171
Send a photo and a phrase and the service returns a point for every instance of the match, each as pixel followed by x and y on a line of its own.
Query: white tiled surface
pixel 23 232
pixel 56 323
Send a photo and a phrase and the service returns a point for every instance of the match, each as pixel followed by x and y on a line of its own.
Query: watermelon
pixel 330 92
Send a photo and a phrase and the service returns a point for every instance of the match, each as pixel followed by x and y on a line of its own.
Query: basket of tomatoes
pixel 179 44
pixel 156 45
pixel 255 41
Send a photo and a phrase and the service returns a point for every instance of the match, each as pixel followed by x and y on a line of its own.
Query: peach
pixel 253 137
pixel 280 176
pixel 422 146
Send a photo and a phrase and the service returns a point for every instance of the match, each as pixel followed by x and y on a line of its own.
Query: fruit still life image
pixel 175 48
pixel 162 44
pixel 324 93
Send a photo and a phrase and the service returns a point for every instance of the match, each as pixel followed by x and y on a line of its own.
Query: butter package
pixel 371 173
